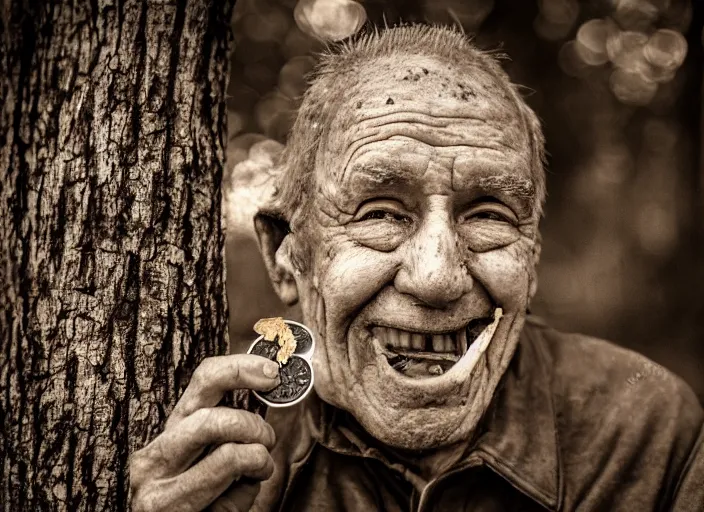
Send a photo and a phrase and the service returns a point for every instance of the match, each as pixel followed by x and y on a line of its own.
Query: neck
pixel 425 464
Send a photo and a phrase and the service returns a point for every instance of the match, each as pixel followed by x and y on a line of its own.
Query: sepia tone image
pixel 354 255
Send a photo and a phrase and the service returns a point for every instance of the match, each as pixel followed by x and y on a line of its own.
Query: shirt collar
pixel 518 438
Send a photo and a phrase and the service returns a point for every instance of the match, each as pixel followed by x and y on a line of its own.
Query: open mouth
pixel 430 354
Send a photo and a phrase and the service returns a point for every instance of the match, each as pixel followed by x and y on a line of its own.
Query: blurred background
pixel 618 85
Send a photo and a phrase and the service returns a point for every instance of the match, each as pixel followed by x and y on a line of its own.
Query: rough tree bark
pixel 112 135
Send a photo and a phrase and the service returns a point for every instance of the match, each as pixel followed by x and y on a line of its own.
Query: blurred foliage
pixel 618 85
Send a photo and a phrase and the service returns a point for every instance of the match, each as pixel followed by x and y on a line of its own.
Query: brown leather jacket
pixel 577 424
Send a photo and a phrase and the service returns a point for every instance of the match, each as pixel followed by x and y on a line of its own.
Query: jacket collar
pixel 518 438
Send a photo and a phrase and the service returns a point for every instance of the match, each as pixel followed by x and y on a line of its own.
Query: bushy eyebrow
pixel 373 176
pixel 516 191
pixel 509 184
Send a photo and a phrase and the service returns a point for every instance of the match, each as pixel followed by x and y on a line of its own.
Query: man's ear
pixel 271 232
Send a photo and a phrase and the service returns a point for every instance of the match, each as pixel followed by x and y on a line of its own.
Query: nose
pixel 433 271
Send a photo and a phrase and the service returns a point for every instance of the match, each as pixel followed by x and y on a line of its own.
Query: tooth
pixel 449 344
pixel 462 340
pixel 378 335
pixel 438 343
pixel 404 338
pixel 392 337
pixel 386 333
pixel 417 341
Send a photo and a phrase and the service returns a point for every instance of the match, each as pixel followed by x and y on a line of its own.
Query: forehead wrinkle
pixel 446 126
pixel 448 129
pixel 391 114
pixel 386 132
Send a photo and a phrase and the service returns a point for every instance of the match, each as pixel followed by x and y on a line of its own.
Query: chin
pixel 422 389
pixel 420 429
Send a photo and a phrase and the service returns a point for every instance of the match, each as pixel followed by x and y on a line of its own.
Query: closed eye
pixel 382 215
pixel 489 215
pixel 382 209
pixel 491 210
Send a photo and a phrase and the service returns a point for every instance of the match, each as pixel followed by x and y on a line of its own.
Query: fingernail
pixel 271 369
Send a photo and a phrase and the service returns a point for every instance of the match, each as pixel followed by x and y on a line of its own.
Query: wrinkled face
pixel 423 224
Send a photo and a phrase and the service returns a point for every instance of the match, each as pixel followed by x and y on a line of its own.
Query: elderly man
pixel 406 225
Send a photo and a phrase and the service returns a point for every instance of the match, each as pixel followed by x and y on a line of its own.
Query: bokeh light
pixel 329 20
pixel 591 42
pixel 632 88
pixel 666 49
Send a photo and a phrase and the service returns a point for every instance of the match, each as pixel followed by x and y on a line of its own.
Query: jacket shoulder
pixel 626 425
pixel 584 364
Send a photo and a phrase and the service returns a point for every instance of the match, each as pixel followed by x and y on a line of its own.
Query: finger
pixel 176 448
pixel 198 487
pixel 239 497
pixel 219 374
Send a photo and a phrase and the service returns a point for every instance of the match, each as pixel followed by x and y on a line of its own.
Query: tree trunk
pixel 112 138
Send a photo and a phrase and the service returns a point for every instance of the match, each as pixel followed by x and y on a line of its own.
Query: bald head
pixel 421 69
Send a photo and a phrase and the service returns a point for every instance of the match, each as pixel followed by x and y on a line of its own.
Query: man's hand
pixel 162 474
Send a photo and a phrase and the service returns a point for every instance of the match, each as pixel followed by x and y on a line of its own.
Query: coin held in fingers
pixel 291 345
